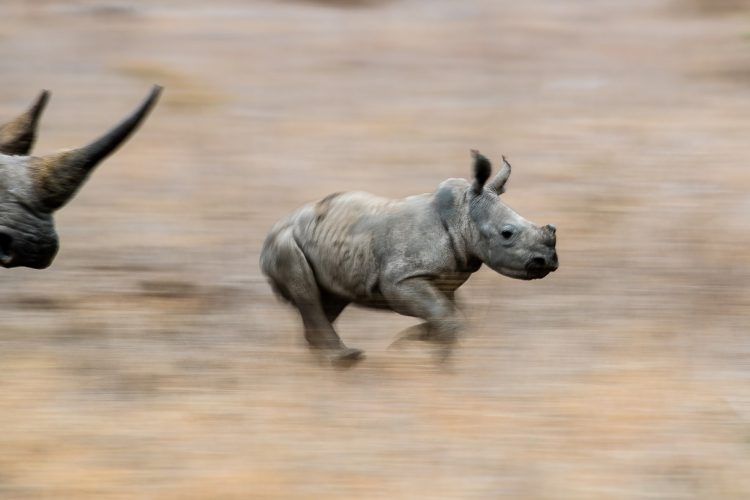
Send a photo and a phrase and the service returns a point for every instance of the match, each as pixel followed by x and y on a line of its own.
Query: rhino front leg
pixel 419 298
pixel 421 331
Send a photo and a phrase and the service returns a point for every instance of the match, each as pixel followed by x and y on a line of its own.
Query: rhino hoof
pixel 347 357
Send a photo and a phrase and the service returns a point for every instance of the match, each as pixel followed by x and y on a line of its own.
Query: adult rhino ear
pixel 497 184
pixel 58 177
pixel 17 137
pixel 482 171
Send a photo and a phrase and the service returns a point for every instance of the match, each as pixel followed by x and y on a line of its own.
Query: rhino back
pixel 354 240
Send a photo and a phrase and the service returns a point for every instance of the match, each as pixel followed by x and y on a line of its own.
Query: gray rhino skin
pixel 407 255
pixel 33 188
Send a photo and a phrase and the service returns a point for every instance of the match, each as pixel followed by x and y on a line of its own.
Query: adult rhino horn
pixel 17 137
pixel 57 177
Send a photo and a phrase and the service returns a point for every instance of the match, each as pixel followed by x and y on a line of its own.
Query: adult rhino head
pixel 32 188
pixel 498 235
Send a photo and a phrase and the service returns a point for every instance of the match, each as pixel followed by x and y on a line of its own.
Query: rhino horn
pixel 57 177
pixel 497 184
pixel 17 137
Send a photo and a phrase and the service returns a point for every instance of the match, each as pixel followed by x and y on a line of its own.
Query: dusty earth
pixel 152 360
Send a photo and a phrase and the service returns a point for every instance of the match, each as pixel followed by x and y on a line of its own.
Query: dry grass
pixel 152 360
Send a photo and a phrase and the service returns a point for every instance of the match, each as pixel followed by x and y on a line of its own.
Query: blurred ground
pixel 152 359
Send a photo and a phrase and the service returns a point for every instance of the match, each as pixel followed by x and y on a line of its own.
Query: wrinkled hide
pixel 407 255
pixel 33 188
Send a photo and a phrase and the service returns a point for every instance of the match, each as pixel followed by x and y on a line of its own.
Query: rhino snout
pixel 15 252
pixel 541 265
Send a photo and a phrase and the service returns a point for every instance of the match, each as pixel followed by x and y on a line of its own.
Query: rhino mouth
pixel 535 270
pixel 532 271
pixel 536 274
pixel 522 274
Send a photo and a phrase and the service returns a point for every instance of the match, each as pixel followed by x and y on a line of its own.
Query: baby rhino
pixel 407 255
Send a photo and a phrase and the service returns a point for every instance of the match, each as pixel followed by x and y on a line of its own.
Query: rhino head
pixel 32 188
pixel 498 235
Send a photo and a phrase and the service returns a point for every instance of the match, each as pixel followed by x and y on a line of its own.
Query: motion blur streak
pixel 152 360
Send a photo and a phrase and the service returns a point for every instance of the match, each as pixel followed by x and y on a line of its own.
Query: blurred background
pixel 152 359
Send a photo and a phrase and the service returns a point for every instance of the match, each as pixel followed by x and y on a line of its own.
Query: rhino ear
pixel 17 137
pixel 497 184
pixel 482 170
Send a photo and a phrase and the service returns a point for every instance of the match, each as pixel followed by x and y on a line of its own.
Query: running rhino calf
pixel 406 255
pixel 32 188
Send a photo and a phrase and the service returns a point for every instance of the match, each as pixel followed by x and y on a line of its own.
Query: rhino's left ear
pixel 498 183
pixel 482 171
pixel 17 137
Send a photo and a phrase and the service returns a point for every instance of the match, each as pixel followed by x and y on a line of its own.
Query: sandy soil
pixel 152 359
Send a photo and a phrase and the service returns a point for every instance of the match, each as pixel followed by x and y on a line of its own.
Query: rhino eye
pixel 507 233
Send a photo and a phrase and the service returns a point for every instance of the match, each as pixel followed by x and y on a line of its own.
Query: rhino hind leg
pixel 332 307
pixel 294 279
